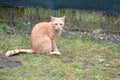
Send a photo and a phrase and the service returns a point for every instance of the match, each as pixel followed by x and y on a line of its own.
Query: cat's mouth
pixel 57 28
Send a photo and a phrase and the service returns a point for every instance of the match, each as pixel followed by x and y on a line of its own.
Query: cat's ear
pixel 63 18
pixel 52 18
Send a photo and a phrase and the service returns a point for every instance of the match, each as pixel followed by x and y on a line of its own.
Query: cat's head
pixel 58 23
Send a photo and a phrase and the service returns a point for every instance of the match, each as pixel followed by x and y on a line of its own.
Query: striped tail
pixel 16 51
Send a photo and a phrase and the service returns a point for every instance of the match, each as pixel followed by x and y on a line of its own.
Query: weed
pixel 3 27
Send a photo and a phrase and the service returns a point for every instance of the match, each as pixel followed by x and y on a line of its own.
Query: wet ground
pixel 7 62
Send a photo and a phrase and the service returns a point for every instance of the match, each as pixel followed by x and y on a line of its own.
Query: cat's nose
pixel 56 28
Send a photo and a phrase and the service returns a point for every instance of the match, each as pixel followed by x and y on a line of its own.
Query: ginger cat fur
pixel 42 37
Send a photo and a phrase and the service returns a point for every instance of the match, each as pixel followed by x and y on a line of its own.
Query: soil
pixel 101 35
pixel 7 62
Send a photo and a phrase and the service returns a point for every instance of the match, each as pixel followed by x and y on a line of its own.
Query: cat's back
pixel 40 27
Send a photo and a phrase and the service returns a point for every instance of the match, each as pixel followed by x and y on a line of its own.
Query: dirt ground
pixel 101 35
pixel 7 62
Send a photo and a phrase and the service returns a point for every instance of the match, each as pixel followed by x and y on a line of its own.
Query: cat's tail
pixel 16 51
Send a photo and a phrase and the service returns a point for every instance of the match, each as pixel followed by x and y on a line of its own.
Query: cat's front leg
pixel 54 48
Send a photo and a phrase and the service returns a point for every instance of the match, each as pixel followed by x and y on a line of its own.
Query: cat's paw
pixel 55 53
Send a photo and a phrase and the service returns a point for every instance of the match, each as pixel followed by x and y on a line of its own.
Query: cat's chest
pixel 55 33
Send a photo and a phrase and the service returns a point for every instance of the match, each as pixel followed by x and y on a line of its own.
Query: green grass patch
pixel 3 27
pixel 81 59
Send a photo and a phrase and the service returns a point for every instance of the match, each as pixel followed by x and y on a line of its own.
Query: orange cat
pixel 42 37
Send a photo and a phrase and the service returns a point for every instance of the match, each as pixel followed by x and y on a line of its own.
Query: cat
pixel 42 39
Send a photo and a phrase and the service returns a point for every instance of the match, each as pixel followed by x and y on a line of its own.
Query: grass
pixel 88 60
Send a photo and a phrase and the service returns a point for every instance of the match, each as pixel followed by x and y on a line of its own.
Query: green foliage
pixel 3 27
pixel 74 19
pixel 115 48
pixel 19 26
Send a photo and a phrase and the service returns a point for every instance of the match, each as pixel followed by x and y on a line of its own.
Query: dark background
pixel 97 5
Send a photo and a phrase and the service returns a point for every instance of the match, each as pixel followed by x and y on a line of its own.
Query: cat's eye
pixel 60 23
pixel 55 23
